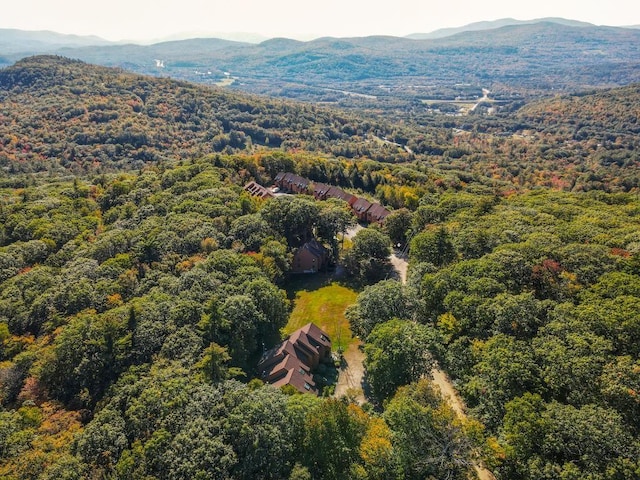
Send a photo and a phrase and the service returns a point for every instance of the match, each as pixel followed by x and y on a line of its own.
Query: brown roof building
pixel 320 190
pixel 360 208
pixel 292 361
pixel 335 192
pixel 377 213
pixel 279 177
pixel 292 182
pixel 257 190
pixel 310 258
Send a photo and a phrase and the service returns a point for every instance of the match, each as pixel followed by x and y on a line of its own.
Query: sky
pixel 141 20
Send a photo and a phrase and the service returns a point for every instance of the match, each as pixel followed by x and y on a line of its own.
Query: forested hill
pixel 55 111
pixel 608 113
pixel 58 114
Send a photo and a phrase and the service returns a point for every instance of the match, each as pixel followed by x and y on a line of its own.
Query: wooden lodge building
pixel 292 362
pixel 310 258
pixel 362 208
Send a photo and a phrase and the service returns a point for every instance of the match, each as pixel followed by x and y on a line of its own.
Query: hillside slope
pixel 609 112
pixel 58 111
pixel 58 114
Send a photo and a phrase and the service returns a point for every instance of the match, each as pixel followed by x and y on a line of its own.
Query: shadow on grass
pixel 309 282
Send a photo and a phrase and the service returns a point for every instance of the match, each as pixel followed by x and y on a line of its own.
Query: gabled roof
pixel 320 189
pixel 293 179
pixel 315 247
pixel 288 363
pixel 361 205
pixel 302 345
pixel 312 331
pixel 377 212
pixel 302 383
pixel 335 192
pixel 258 190
pixel 290 370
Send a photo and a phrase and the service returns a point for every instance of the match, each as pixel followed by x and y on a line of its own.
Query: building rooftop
pixel 290 362
pixel 257 190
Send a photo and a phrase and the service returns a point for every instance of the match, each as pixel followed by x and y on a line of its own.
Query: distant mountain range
pixel 243 37
pixel 489 25
pixel 13 41
pixel 508 57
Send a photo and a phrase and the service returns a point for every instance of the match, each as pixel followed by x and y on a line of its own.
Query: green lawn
pixel 319 300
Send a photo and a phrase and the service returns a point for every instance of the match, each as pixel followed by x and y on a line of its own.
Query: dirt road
pixel 400 267
pixel 351 376
pixel 352 373
pixel 441 379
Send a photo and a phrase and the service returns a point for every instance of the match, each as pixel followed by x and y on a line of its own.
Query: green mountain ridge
pixel 492 24
pixel 527 59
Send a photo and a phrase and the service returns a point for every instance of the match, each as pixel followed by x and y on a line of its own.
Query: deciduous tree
pixel 397 353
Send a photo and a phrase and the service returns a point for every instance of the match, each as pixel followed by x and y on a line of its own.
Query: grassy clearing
pixel 318 299
pixel 225 82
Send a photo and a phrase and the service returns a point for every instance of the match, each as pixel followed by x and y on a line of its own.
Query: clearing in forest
pixel 319 299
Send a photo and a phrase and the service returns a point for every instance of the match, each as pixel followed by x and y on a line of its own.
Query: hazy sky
pixel 151 19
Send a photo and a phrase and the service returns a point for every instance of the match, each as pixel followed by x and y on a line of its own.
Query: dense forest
pixel 535 301
pixel 130 308
pixel 139 284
